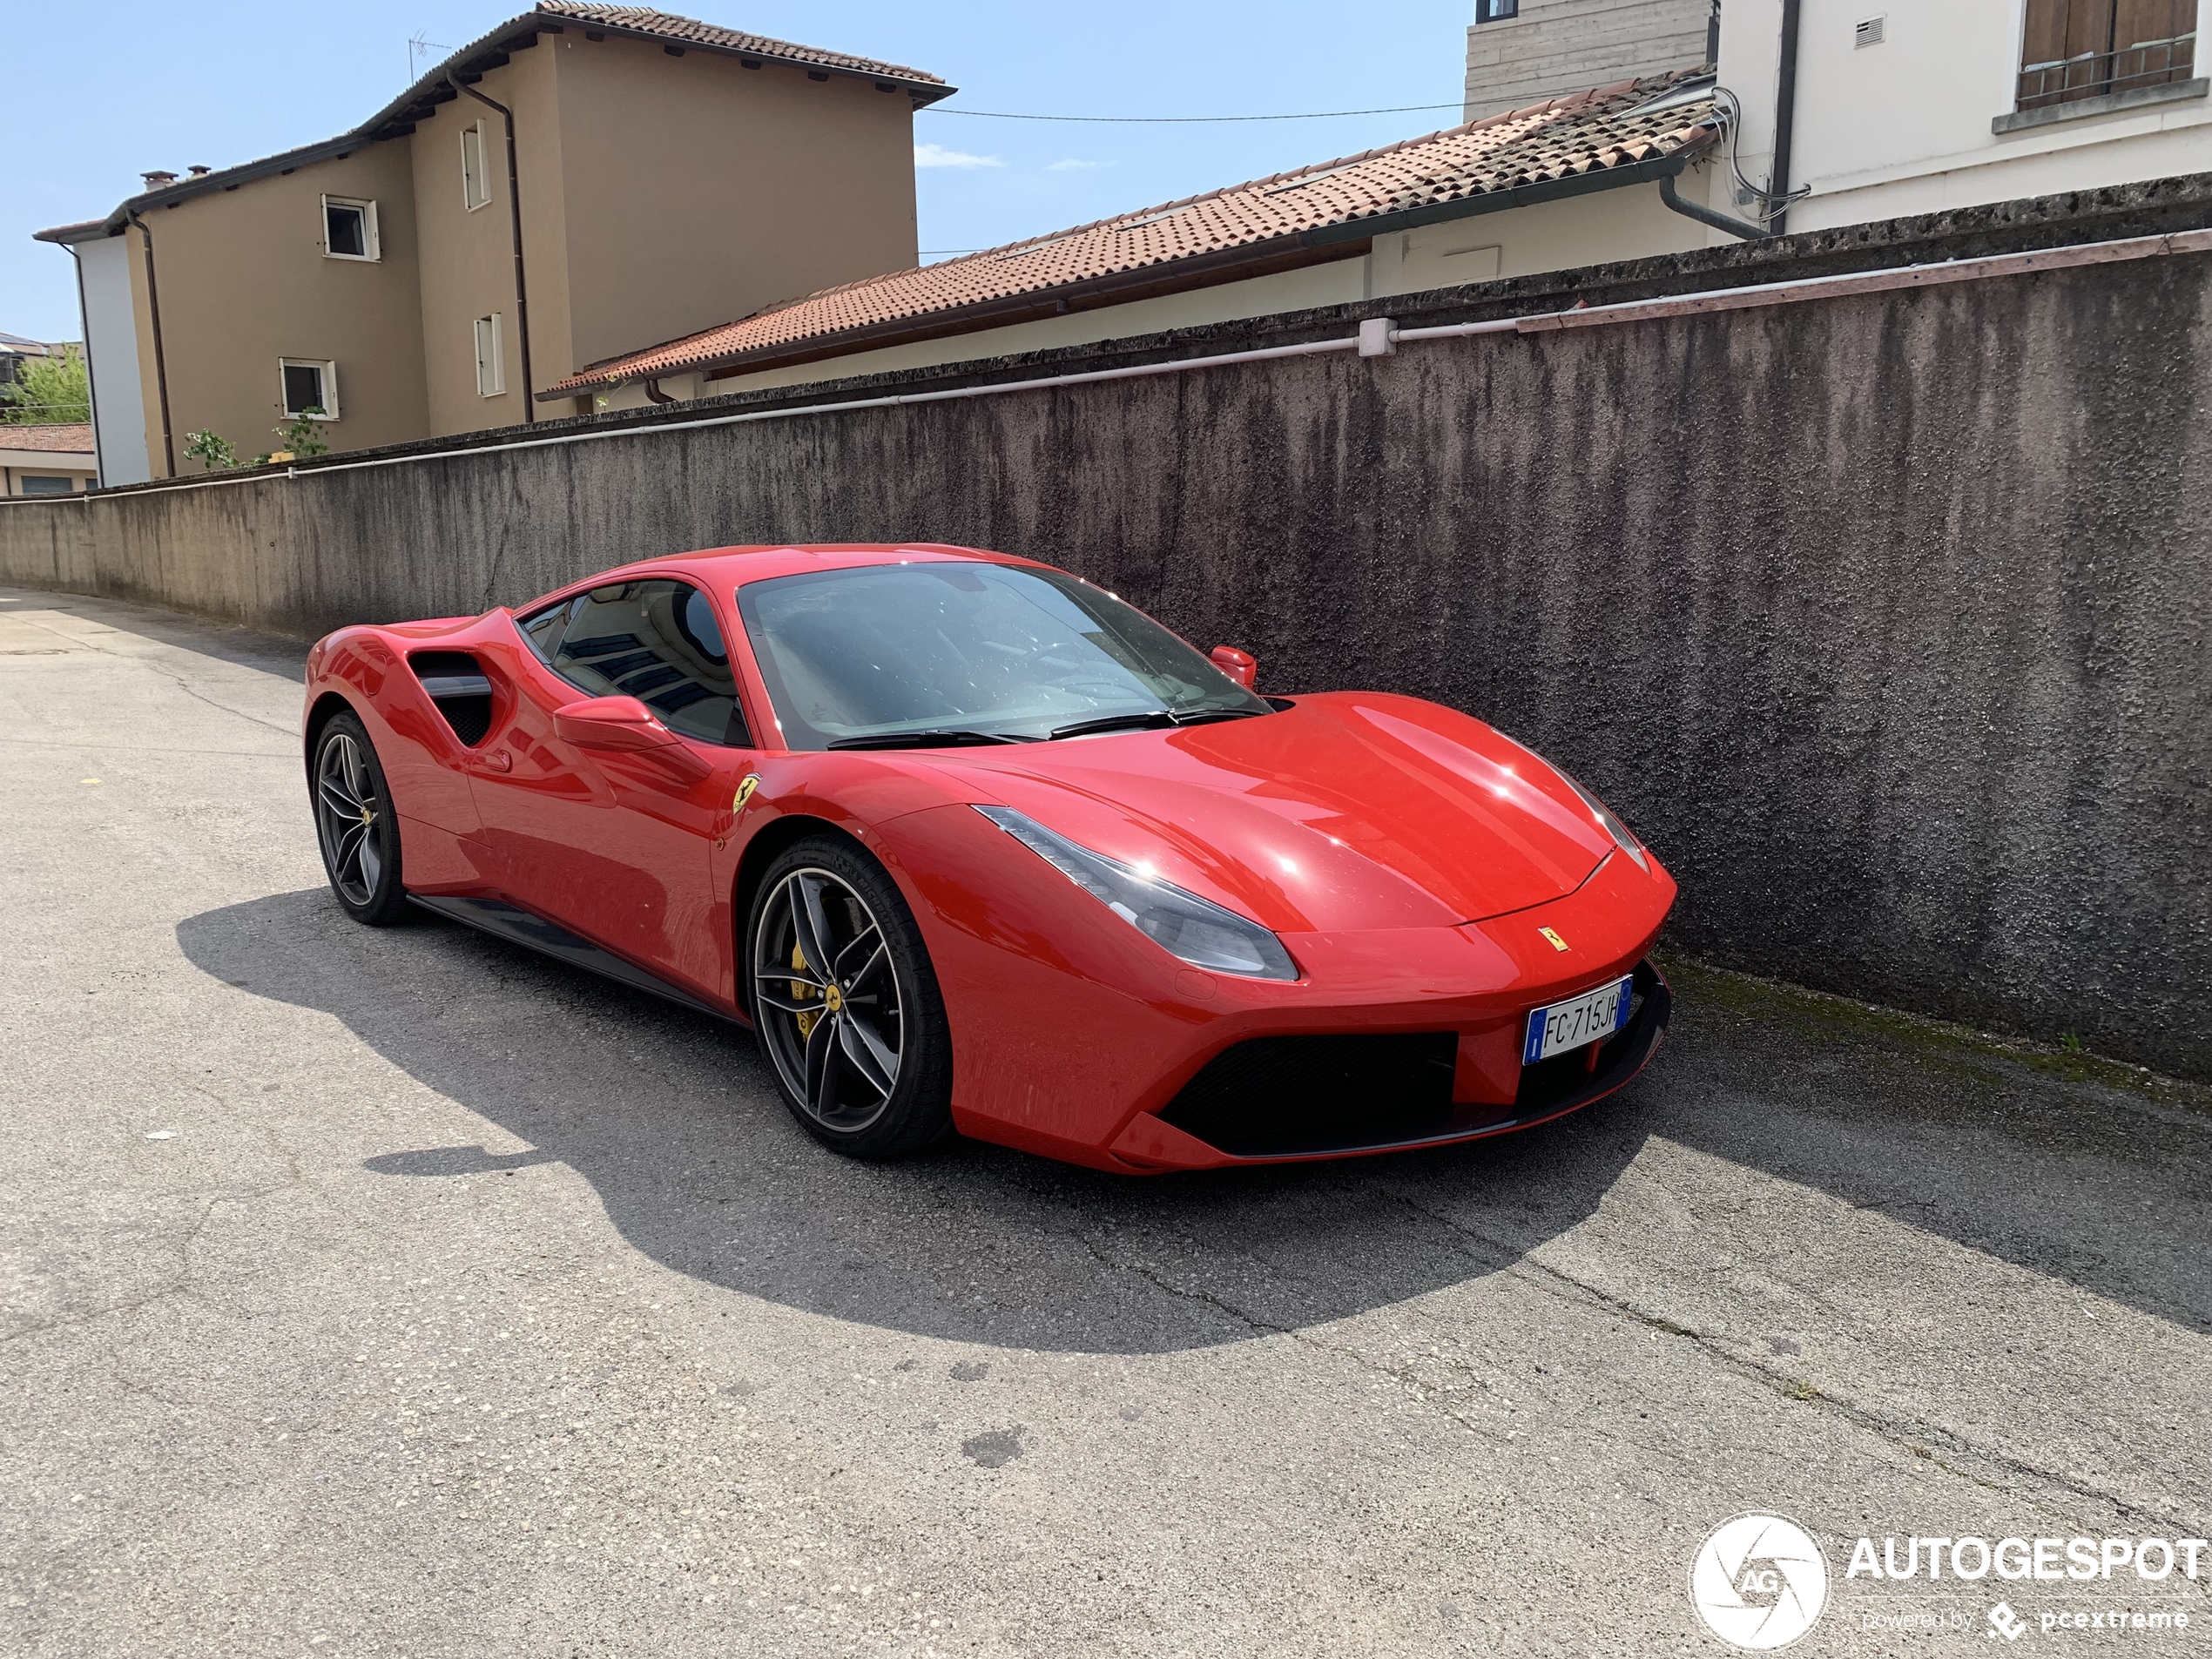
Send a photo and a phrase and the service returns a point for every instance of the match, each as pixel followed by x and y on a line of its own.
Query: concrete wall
pixel 1557 47
pixel 1887 618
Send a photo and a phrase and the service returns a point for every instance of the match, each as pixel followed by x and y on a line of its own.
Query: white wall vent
pixel 1870 31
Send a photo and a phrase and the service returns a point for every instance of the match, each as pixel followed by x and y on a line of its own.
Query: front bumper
pixel 1075 1037
pixel 1273 1100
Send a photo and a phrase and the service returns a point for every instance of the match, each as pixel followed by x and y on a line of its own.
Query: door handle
pixel 497 761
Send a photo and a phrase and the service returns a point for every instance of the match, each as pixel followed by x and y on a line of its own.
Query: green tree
pixel 49 391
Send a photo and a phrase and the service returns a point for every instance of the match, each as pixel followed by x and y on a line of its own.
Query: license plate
pixel 1588 1018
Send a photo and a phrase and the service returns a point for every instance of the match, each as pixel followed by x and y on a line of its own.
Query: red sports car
pixel 972 845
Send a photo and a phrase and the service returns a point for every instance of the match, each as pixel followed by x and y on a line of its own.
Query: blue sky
pixel 218 83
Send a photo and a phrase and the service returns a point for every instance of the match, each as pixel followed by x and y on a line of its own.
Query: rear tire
pixel 355 825
pixel 846 1004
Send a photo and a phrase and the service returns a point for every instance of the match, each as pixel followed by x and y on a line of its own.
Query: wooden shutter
pixel 2152 42
pixel 2075 48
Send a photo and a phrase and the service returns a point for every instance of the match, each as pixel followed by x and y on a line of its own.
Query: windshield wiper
pixel 1151 718
pixel 926 739
pixel 1117 723
pixel 1200 716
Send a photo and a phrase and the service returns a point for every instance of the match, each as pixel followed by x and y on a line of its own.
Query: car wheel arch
pixel 328 705
pixel 762 850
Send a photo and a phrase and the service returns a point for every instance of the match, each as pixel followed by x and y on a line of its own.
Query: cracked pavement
pixel 472 1306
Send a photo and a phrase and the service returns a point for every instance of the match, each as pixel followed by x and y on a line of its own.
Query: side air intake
pixel 456 684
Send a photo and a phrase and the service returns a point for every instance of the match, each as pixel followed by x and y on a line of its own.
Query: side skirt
pixel 519 926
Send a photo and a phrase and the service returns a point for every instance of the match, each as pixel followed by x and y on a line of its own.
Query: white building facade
pixel 1915 106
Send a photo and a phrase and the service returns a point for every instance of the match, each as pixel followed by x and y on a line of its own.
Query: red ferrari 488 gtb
pixel 972 845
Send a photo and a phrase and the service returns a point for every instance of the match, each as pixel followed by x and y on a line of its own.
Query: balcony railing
pixel 2148 62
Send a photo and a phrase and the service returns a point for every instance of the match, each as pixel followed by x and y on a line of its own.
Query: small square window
pixel 349 229
pixel 476 185
pixel 491 369
pixel 310 388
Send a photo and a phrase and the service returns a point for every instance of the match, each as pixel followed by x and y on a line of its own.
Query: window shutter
pixel 2152 41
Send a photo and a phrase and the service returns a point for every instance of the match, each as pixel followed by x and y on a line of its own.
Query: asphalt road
pixel 395 1292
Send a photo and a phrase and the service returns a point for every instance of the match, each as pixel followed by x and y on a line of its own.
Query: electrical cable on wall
pixel 1763 204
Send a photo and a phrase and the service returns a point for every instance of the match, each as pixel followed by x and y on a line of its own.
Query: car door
pixel 615 845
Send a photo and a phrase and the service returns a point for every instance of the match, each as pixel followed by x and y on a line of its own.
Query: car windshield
pixel 966 652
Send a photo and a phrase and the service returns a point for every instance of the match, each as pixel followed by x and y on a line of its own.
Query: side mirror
pixel 1240 666
pixel 612 723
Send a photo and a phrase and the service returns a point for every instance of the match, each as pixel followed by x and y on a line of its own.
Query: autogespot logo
pixel 1758 1581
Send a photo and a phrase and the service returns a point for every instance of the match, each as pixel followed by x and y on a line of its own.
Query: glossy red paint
pixel 1408 857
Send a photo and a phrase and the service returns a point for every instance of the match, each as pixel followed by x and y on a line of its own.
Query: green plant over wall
pixel 214 452
pixel 302 435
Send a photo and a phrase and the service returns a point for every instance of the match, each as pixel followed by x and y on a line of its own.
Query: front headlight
pixel 1195 929
pixel 1623 837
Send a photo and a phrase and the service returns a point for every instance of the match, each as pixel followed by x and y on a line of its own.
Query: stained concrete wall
pixel 1883 618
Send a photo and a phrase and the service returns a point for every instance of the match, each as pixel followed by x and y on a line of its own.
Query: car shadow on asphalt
pixel 673 1120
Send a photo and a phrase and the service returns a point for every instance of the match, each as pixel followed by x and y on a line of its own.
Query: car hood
pixel 1347 811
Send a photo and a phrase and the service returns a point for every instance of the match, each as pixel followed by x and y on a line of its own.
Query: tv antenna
pixel 417 48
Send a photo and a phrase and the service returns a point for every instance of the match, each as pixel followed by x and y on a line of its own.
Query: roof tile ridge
pixel 645 18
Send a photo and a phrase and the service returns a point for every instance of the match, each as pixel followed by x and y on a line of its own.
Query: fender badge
pixel 745 791
pixel 1557 942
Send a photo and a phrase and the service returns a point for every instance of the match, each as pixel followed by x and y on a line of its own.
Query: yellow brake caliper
pixel 801 992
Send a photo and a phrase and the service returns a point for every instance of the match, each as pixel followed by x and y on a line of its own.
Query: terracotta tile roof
pixel 49 440
pixel 664 26
pixel 1590 133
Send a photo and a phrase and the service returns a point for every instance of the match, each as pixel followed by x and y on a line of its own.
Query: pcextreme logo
pixel 1758 1581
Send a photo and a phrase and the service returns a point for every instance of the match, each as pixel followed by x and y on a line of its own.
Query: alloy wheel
pixel 827 999
pixel 347 811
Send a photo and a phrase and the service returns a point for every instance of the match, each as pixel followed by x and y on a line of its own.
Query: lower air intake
pixel 1279 1096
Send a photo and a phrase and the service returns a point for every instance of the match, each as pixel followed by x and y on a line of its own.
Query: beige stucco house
pixel 584 181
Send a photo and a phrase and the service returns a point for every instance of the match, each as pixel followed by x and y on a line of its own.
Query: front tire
pixel 846 1004
pixel 355 825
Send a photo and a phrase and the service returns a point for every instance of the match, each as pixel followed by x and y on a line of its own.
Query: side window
pixel 475 184
pixel 349 229
pixel 655 640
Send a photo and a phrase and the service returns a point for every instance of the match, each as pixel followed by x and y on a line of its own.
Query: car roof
pixel 738 565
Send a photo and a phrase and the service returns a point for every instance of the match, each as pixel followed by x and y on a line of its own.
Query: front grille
pixel 1278 1097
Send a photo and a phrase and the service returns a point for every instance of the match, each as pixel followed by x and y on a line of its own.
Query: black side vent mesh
pixel 456 684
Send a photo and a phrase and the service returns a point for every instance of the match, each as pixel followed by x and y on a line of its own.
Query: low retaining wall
pixel 1883 616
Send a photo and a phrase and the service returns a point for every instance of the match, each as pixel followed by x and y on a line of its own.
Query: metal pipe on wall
pixel 1785 119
